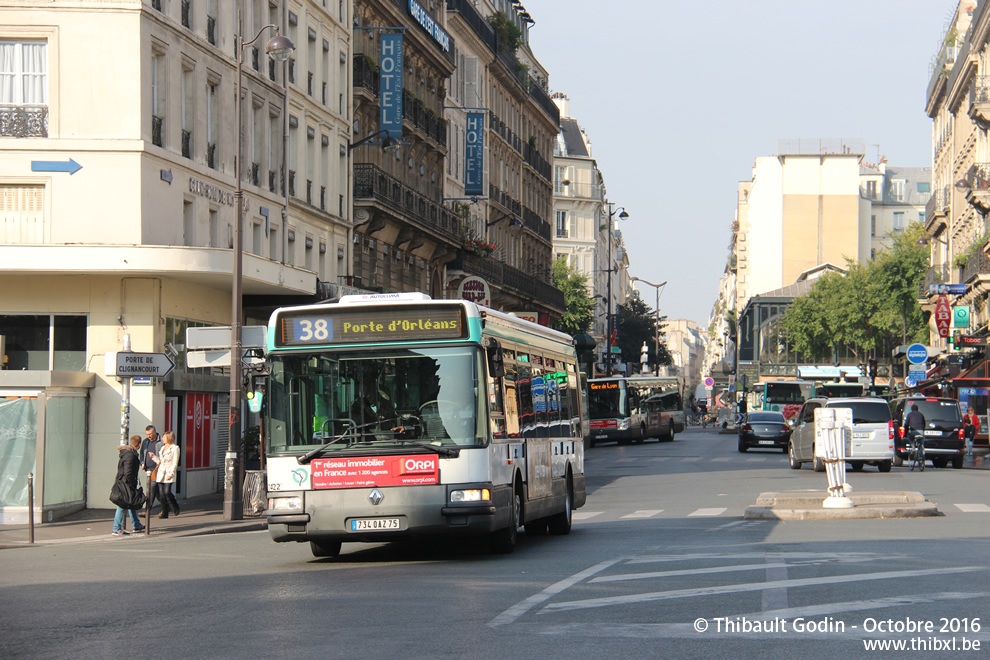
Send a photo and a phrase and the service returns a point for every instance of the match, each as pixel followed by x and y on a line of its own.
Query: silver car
pixel 872 433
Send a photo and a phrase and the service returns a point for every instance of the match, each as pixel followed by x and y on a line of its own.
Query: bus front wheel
pixel 503 541
pixel 560 523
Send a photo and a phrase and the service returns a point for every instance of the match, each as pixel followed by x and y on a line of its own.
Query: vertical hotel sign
pixel 390 84
pixel 474 160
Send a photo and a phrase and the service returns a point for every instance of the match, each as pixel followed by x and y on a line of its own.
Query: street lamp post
pixel 658 287
pixel 278 48
pixel 608 313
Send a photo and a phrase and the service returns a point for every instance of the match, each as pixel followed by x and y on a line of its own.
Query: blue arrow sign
pixel 70 166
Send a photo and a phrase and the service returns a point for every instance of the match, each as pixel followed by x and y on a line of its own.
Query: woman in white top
pixel 167 465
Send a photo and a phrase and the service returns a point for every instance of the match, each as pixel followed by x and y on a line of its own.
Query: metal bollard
pixel 31 507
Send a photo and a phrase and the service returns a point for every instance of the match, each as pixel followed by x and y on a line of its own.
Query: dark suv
pixel 944 439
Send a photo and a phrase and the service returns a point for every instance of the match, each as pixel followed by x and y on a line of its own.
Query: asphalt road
pixel 660 564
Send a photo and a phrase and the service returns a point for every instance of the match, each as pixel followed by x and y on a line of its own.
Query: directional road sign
pixel 155 365
pixel 910 382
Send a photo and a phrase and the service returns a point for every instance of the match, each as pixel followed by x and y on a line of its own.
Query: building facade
pixel 119 213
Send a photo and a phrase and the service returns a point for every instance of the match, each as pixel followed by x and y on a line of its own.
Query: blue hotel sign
pixel 390 84
pixel 438 34
pixel 474 158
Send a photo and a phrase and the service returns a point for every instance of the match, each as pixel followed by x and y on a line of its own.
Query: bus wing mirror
pixel 496 365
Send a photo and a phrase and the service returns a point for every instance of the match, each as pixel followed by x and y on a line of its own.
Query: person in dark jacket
pixel 151 449
pixel 127 471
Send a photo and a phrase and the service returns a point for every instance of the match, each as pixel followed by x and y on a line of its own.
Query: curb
pixel 869 505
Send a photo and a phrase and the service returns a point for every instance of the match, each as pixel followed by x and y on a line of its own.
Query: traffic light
pixel 873 368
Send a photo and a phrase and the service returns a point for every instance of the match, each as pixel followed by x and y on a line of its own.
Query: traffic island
pixel 807 505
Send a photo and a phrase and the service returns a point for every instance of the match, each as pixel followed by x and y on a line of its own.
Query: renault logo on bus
pixel 376 497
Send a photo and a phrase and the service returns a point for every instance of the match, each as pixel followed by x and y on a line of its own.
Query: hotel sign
pixel 474 158
pixel 390 84
pixel 211 192
pixel 438 34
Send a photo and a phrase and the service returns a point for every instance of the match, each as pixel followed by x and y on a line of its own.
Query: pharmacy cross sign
pixel 943 316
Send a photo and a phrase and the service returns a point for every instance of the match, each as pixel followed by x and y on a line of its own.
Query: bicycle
pixel 917 452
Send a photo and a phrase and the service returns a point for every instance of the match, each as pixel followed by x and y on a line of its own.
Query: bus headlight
pixel 285 503
pixel 471 495
pixel 624 425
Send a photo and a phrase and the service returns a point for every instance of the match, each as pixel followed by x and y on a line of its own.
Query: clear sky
pixel 680 96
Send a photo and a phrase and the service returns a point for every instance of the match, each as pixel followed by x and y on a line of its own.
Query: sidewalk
pixel 200 515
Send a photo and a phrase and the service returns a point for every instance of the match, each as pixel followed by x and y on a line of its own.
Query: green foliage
pixel 873 303
pixel 636 324
pixel 508 32
pixel 578 305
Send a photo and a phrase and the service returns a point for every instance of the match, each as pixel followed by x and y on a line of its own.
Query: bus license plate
pixel 374 524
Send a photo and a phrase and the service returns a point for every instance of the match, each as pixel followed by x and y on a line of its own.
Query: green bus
pixel 396 416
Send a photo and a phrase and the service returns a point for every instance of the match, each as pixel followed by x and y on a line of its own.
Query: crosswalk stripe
pixel 973 508
pixel 692 458
pixel 755 460
pixel 690 571
pixel 721 459
pixel 714 511
pixel 647 513
pixel 584 515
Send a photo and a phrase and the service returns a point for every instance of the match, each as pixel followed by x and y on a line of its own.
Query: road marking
pixel 721 459
pixel 742 588
pixel 520 608
pixel 658 460
pixel 775 599
pixel 691 458
pixel 647 513
pixel 728 525
pixel 689 571
pixel 973 508
pixel 687 630
pixel 625 460
pixel 755 460
pixel 714 511
pixel 584 515
pixel 815 557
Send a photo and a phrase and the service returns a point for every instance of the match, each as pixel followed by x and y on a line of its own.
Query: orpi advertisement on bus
pixel 366 471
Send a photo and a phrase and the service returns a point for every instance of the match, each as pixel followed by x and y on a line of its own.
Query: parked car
pixel 764 430
pixel 944 437
pixel 872 439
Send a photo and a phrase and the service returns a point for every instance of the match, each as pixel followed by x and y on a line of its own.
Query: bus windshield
pixel 839 390
pixel 424 395
pixel 607 400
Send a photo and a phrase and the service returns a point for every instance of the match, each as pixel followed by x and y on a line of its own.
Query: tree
pixel 578 305
pixel 636 324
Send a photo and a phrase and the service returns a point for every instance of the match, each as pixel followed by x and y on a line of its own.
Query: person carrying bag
pixel 126 493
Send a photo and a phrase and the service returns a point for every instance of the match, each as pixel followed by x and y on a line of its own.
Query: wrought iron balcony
pixel 23 121
pixel 211 30
pixel 272 181
pixel 978 264
pixel 365 73
pixel 256 174
pixel 271 69
pixel 938 204
pixel 309 191
pixel 309 82
pixel 292 70
pixel 535 285
pixel 535 223
pixel 323 198
pixel 255 62
pixel 292 183
pixel 325 95
pixel 157 127
pixel 185 13
pixel 186 144
pixel 371 182
pixel 211 155
pixel 938 274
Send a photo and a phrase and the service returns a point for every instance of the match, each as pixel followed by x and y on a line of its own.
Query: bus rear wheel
pixel 560 523
pixel 325 548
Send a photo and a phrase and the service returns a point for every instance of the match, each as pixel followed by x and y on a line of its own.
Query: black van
pixel 944 440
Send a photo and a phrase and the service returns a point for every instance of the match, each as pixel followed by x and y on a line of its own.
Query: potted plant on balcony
pixel 479 247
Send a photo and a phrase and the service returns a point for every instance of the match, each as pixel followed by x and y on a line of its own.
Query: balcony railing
pixel 536 285
pixel 978 264
pixel 157 127
pixel 256 174
pixel 186 144
pixel 292 71
pixel 211 155
pixel 536 224
pixel 272 181
pixel 211 30
pixel 365 75
pixel 309 191
pixel 937 202
pixel 371 182
pixel 292 183
pixel 271 69
pixel 323 198
pixel 185 13
pixel 326 98
pixel 309 82
pixel 938 274
pixel 510 204
pixel 23 121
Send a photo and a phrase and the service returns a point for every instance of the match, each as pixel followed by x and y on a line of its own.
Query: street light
pixel 658 287
pixel 608 314
pixel 387 141
pixel 279 48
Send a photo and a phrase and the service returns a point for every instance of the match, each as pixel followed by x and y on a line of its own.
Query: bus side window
pixel 511 396
pixel 496 408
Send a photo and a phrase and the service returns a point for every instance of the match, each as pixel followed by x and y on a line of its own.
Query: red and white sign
pixel 943 316
pixel 476 290
pixel 603 423
pixel 366 471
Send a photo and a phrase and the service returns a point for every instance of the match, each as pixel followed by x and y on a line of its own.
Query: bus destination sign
pixel 364 325
pixel 605 385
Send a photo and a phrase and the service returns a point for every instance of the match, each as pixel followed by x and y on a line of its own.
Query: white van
pixel 872 433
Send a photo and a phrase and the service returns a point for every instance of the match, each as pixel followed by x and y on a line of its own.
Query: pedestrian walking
pixel 971 426
pixel 151 449
pixel 167 464
pixel 126 485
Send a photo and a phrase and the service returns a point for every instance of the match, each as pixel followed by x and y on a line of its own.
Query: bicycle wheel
pixel 921 458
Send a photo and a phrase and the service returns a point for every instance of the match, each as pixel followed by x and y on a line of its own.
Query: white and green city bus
pixel 396 416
